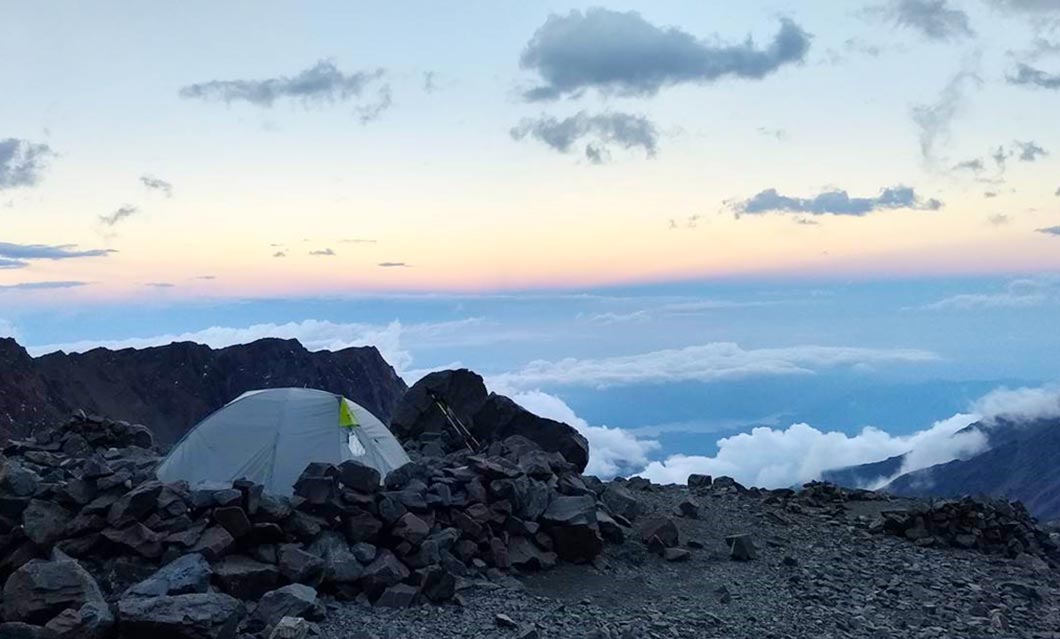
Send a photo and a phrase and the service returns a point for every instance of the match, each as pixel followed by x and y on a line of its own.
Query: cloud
pixel 22 162
pixel 156 184
pixel 716 361
pixel 430 81
pixel 48 251
pixel 1050 230
pixel 1017 294
pixel 989 194
pixel 393 265
pixel 621 53
pixel 836 202
pixel 1019 404
pixel 7 265
pixel 358 240
pixel 1026 75
pixel 322 83
pixel 934 19
pixel 370 112
pixel 323 252
pixel 933 120
pixel 1029 151
pixel 998 219
pixel 600 131
pixel 974 166
pixel 1057 193
pixel 607 319
pixel 774 458
pixel 612 451
pixel 205 277
pixel 42 286
pixel 122 213
pixel 1028 5
pixel 7 329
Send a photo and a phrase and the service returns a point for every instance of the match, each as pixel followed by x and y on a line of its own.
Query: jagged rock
pixel 94 620
pixel 500 418
pixel 699 481
pixel 41 589
pixel 134 505
pixel 341 565
pixel 410 528
pixel 294 600
pixel 365 553
pixel 386 570
pixel 571 511
pixel 524 554
pixel 138 538
pixel 397 596
pixel 688 508
pixel 741 547
pixel 191 616
pixel 439 584
pixel 290 628
pixel 659 527
pixel 621 502
pixel 233 519
pixel 417 414
pixel 401 476
pixel 359 477
pixel 44 522
pixel 184 575
pixel 300 567
pixel 362 526
pixel 244 578
pixel 213 543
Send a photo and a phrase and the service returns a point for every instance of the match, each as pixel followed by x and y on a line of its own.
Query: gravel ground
pixel 819 573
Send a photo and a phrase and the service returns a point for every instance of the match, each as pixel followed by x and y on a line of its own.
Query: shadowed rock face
pixel 171 388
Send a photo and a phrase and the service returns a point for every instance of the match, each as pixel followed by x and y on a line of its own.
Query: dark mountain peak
pixel 171 387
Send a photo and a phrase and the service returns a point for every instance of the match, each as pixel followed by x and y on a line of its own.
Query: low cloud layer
pixel 22 162
pixel 599 133
pixel 622 53
pixel 1016 294
pixel 23 252
pixel 836 202
pixel 717 361
pixel 1020 404
pixel 322 83
pixel 42 286
pixel 934 19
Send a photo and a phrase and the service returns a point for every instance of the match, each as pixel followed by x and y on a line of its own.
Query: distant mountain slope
pixel 170 388
pixel 1021 464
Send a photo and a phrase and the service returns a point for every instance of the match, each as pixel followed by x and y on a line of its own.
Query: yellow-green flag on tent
pixel 346 417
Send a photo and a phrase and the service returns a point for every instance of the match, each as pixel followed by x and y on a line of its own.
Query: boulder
pixel 233 519
pixel 94 620
pixel 138 539
pixel 385 571
pixel 571 511
pixel 741 547
pixel 699 481
pixel 184 575
pixel 20 630
pixel 134 505
pixel 359 477
pixel 245 578
pixel 462 391
pixel 621 502
pixel 44 522
pixel 659 527
pixel 341 565
pixel 500 417
pixel 294 600
pixel 362 526
pixel 192 616
pixel 214 543
pixel 410 528
pixel 41 589
pixel 299 566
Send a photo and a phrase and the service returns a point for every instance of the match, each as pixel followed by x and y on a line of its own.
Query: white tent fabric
pixel 270 436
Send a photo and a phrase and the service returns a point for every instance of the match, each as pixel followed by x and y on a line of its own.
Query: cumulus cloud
pixel 157 184
pixel 1019 404
pixel 22 252
pixel 612 451
pixel 42 286
pixel 22 162
pixel 322 83
pixel 323 252
pixel 1026 75
pixel 934 19
pixel 716 361
pixel 622 53
pixel 774 458
pixel 1050 230
pixel 934 120
pixel 122 213
pixel 600 131
pixel 836 202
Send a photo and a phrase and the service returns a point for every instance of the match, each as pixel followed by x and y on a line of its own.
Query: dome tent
pixel 270 436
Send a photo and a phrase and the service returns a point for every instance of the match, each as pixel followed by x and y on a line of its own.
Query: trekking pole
pixel 455 423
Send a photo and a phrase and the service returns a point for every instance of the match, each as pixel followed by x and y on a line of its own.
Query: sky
pixel 665 221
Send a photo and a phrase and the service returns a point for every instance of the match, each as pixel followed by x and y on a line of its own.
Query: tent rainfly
pixel 270 436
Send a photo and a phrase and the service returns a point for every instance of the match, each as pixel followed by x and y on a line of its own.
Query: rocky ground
pixel 819 572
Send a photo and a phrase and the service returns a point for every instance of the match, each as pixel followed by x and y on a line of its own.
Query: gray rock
pixel 20 630
pixel 192 616
pixel 244 578
pixel 741 547
pixel 41 589
pixel 659 527
pixel 571 511
pixel 300 567
pixel 359 477
pixel 44 522
pixel 93 620
pixel 134 505
pixel 387 570
pixel 233 519
pixel 184 575
pixel 397 596
pixel 294 600
pixel 621 502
